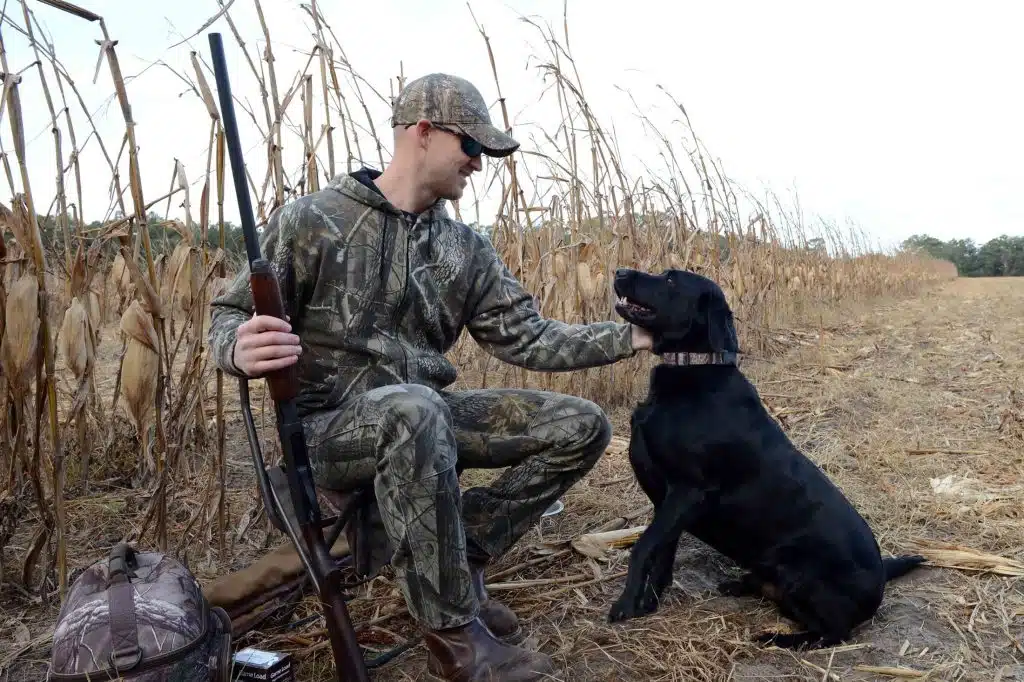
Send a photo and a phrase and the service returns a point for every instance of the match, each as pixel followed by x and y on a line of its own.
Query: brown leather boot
pixel 471 653
pixel 499 619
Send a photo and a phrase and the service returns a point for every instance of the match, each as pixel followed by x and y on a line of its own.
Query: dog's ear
pixel 722 337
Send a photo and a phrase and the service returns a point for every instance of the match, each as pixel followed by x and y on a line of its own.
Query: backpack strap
pixel 125 652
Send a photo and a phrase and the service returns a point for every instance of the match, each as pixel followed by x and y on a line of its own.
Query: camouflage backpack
pixel 139 616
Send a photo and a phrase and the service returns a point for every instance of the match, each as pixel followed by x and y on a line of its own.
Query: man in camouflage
pixel 378 283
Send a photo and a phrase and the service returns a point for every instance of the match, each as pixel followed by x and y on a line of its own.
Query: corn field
pixel 568 213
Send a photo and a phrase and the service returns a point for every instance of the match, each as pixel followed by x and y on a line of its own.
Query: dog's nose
pixel 620 272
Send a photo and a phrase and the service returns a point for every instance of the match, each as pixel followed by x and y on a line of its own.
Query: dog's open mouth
pixel 632 307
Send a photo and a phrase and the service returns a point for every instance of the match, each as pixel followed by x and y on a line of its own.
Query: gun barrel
pixel 227 115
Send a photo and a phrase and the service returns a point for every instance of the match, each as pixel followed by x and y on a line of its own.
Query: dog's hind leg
pixel 823 626
pixel 646 575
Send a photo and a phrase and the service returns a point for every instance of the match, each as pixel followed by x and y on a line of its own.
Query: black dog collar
pixel 684 359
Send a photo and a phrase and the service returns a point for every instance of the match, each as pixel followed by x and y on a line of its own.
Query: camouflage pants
pixel 411 442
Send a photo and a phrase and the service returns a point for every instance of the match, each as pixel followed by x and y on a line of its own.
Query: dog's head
pixel 685 312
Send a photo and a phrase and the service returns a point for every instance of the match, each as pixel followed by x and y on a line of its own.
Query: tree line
pixel 162 238
pixel 999 257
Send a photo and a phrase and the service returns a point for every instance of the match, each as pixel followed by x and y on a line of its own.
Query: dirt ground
pixel 915 408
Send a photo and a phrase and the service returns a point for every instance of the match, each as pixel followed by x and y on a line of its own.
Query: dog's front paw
pixel 632 605
pixel 621 610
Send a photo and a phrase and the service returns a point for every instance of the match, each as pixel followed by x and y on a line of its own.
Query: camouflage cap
pixel 452 101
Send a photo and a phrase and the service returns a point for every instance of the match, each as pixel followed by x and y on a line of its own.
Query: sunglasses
pixel 470 147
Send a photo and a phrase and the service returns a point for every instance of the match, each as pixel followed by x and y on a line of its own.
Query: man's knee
pixel 416 422
pixel 412 404
pixel 597 431
pixel 587 428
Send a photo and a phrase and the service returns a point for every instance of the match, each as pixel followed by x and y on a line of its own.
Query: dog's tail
pixel 897 566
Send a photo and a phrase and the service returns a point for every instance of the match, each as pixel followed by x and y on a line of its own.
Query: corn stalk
pixel 46 358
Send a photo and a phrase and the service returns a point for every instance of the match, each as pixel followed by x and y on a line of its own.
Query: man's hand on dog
pixel 264 344
pixel 642 339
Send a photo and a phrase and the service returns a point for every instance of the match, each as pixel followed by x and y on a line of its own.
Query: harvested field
pixel 912 406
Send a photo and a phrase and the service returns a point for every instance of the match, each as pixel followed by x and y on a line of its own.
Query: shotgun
pixel 308 539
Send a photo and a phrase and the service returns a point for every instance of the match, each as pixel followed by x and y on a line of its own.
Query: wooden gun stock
pixel 266 296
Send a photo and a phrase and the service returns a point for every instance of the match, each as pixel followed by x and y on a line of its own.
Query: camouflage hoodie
pixel 378 297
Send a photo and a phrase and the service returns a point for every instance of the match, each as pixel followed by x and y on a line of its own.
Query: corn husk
pixel 95 310
pixel 587 284
pixel 137 323
pixel 175 284
pixel 597 545
pixel 120 278
pixel 21 332
pixel 75 341
pixel 140 366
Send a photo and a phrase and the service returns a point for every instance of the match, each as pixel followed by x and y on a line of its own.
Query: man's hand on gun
pixel 264 344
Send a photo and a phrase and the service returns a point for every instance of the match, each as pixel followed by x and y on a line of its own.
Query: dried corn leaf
pixel 905 673
pixel 17 222
pixel 954 556
pixel 617 446
pixel 78 273
pixel 151 299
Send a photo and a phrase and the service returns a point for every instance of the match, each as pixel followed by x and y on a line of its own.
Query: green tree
pixel 999 257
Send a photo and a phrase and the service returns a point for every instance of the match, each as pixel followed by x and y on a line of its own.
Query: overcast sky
pixel 899 118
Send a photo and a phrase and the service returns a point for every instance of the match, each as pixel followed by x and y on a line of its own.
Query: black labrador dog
pixel 716 465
